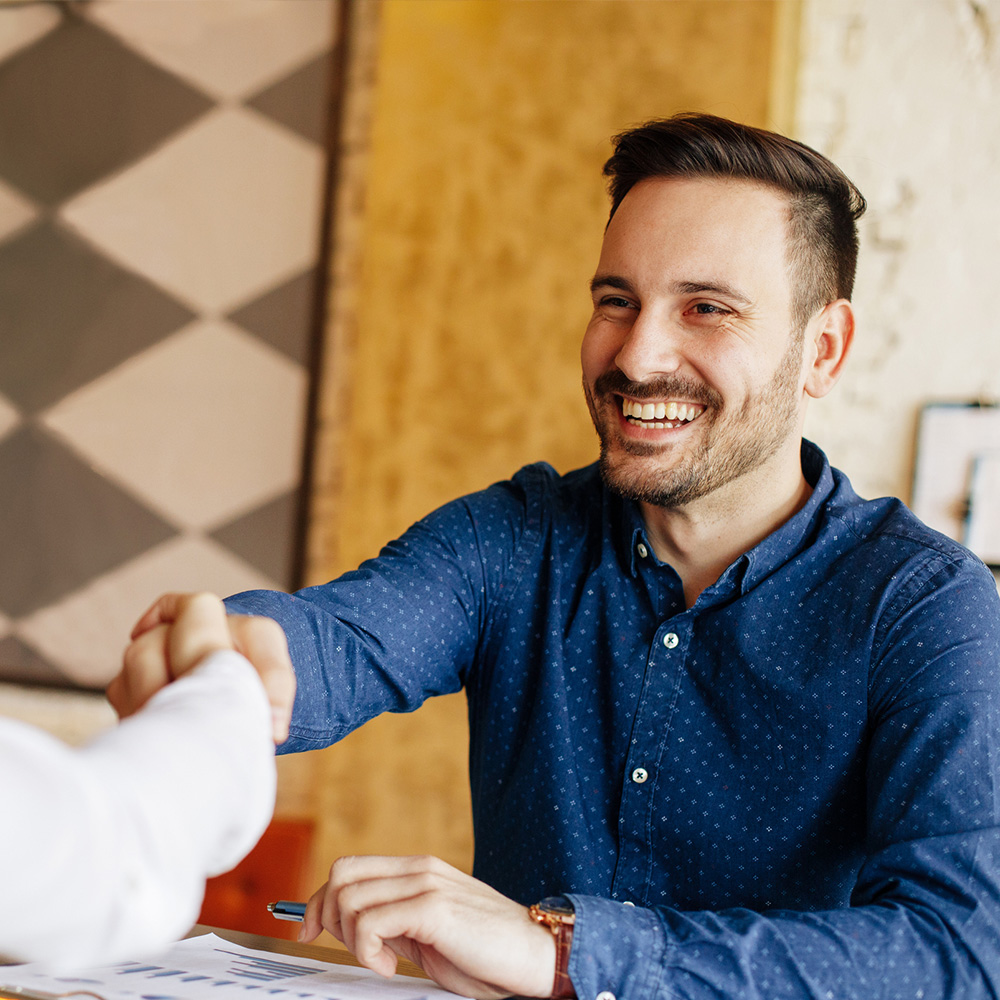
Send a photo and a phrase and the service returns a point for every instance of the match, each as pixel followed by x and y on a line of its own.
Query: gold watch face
pixel 556 906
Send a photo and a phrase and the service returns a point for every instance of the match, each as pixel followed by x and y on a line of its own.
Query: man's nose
pixel 651 348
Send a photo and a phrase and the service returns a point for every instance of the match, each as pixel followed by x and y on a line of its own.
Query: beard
pixel 729 447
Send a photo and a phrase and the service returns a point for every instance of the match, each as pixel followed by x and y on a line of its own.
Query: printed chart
pixel 210 967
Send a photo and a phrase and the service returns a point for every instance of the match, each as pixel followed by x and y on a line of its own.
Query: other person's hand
pixel 465 935
pixel 179 630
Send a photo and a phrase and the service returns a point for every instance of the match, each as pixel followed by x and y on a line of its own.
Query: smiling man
pixel 696 366
pixel 734 729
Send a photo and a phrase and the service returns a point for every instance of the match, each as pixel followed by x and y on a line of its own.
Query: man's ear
pixel 828 341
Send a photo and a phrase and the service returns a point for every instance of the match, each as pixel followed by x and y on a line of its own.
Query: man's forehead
pixel 717 216
pixel 736 197
pixel 670 232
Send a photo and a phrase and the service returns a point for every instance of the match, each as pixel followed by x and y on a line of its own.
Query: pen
pixel 284 910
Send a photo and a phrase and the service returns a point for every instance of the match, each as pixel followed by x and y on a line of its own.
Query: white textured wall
pixel 905 96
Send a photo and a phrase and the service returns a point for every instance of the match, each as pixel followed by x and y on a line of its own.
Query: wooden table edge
pixel 335 953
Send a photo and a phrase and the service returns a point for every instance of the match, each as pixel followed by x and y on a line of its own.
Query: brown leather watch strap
pixel 561 985
pixel 561 925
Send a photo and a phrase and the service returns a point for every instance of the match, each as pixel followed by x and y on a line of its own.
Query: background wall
pixel 481 208
pixel 904 96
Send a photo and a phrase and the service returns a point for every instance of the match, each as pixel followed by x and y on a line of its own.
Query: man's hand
pixel 463 934
pixel 179 630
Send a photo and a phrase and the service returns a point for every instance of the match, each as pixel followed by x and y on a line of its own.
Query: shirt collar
pixel 775 550
pixel 792 536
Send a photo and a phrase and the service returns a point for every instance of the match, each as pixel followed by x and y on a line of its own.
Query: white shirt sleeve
pixel 104 850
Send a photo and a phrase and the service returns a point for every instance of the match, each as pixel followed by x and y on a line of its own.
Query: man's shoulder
pixel 584 483
pixel 540 486
pixel 888 527
pixel 537 501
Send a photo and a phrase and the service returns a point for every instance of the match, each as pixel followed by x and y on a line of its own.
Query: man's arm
pixel 924 919
pixel 401 628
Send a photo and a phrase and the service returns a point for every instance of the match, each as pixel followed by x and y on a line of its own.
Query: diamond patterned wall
pixel 161 187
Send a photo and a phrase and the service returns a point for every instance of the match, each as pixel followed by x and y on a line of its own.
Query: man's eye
pixel 616 302
pixel 709 309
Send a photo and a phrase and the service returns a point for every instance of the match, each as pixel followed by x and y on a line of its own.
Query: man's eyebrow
pixel 611 281
pixel 711 288
pixel 678 288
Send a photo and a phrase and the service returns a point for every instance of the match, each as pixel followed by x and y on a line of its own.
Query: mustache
pixel 615 382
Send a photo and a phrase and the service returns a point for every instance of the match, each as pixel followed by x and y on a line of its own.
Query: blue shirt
pixel 790 789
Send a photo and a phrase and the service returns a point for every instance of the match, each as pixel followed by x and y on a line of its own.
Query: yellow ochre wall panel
pixel 483 222
pixel 483 213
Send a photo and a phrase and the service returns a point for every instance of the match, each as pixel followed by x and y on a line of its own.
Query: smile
pixel 660 416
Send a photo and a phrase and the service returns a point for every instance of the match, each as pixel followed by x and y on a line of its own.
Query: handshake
pixel 179 631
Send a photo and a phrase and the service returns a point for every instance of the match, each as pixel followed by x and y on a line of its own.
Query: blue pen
pixel 284 910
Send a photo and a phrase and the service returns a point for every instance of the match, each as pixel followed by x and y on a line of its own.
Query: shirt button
pixel 628 903
pixel 605 995
pixel 642 550
pixel 670 640
pixel 639 775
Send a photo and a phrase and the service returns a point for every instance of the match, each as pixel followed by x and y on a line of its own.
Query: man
pixel 105 849
pixel 740 722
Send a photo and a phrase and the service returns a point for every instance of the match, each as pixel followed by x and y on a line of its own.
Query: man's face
pixel 691 369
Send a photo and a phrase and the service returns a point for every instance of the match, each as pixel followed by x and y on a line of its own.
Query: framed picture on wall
pixel 956 485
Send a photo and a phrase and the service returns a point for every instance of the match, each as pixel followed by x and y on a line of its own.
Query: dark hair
pixel 824 204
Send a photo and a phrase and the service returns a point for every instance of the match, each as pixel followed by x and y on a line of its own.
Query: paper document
pixel 211 967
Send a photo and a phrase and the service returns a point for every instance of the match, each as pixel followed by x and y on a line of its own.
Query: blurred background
pixel 277 277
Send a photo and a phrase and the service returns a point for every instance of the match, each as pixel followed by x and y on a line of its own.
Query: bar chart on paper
pixel 209 967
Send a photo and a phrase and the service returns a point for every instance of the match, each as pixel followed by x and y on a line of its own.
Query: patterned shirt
pixel 790 789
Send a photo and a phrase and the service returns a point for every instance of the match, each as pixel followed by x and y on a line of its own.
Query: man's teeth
pixel 673 413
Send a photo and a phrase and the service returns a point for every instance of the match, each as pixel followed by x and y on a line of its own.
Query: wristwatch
pixel 556 913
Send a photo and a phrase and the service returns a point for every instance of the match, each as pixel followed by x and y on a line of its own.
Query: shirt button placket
pixel 639 774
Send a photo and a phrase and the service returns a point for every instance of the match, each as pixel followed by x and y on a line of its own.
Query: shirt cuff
pixel 617 950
